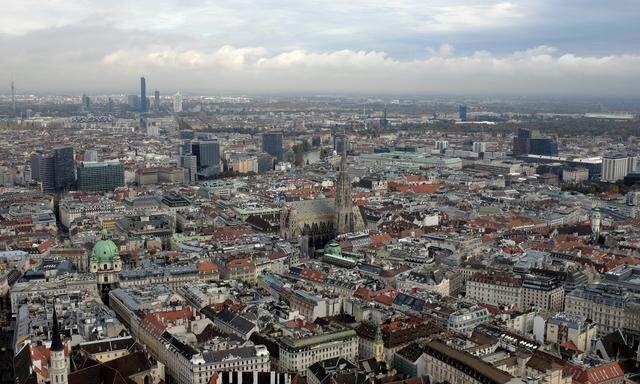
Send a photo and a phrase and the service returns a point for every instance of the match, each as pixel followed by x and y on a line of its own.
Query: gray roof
pixel 313 208
pixel 229 354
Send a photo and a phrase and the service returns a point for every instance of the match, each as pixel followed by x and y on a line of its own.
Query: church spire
pixel 56 342
pixel 58 367
pixel 343 205
pixel 378 345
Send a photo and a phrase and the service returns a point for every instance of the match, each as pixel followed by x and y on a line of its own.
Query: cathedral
pixel 319 221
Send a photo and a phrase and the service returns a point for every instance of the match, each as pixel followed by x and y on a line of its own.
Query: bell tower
pixel 378 346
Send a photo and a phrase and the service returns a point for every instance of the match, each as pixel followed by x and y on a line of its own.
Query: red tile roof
pixel 206 266
pixel 601 374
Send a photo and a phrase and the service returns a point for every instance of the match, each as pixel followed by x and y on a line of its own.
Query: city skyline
pixel 400 47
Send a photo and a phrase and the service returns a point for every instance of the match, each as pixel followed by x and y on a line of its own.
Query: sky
pixel 528 47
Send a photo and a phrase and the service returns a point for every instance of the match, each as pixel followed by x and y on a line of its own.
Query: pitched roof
pixel 601 374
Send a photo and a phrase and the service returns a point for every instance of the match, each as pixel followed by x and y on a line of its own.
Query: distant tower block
pixel 13 98
pixel 143 95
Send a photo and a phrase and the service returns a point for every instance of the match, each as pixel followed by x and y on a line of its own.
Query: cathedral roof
pixel 310 209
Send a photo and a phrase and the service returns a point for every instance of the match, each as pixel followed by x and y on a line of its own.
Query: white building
pixel 441 145
pixel 479 147
pixel 615 167
pixel 177 102
pixel 298 353
pixel 313 306
pixel 190 366
pixel 495 289
pixel 90 155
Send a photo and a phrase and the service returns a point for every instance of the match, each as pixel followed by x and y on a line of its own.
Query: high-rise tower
pixel 177 102
pixel 13 97
pixel 58 373
pixel 143 95
pixel 272 144
pixel 343 205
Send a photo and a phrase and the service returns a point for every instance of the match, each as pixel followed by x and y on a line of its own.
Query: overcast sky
pixel 371 46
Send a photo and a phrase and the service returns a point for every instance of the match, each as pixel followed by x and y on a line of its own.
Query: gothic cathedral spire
pixel 343 204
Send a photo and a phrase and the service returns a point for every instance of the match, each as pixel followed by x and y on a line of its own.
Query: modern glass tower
pixel 143 95
pixel 272 144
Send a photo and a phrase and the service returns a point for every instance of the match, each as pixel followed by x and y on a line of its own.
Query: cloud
pixel 518 46
pixel 537 70
pixel 225 58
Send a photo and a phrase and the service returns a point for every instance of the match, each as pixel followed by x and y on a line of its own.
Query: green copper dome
pixel 333 249
pixel 105 250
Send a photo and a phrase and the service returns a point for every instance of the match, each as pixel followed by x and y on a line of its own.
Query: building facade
pixel 104 176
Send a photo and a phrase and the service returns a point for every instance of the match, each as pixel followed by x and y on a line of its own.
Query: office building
pixel 462 112
pixel 100 176
pixel 338 142
pixel 55 171
pixel 43 171
pixel 143 95
pixel 13 98
pixel 156 99
pixel 272 144
pixel 479 147
pixel 185 149
pixel 86 101
pixel 384 122
pixel 602 303
pixel 542 292
pixel 299 351
pixel 521 145
pixel 208 155
pixel 614 167
pixel 90 155
pixel 526 142
pixel 65 173
pixel 133 101
pixel 441 145
pixel 243 164
pixel 543 146
pixel 495 289
pixel 187 134
pixel 190 164
pixel 446 364
pixel 177 102
pixel 575 175
pixel 265 163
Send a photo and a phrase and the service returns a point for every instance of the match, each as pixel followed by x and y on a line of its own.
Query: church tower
pixel 343 205
pixel 106 264
pixel 378 346
pixel 595 223
pixel 58 373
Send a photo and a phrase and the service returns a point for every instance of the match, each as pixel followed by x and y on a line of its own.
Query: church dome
pixel 104 250
pixel 333 249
